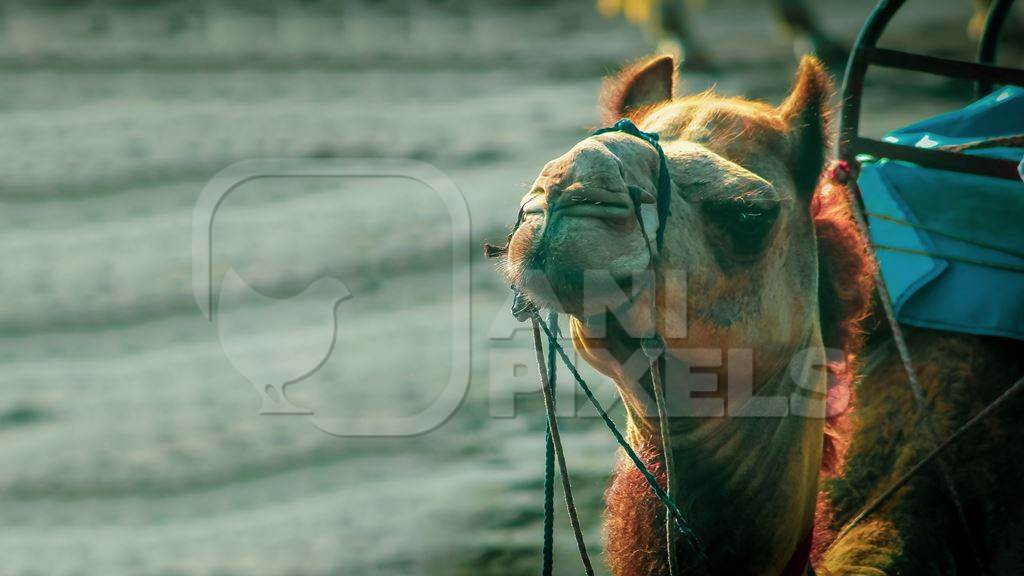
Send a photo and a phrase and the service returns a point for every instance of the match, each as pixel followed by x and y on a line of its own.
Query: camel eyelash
pixel 740 227
pixel 740 210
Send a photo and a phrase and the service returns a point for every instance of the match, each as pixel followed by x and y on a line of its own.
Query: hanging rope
pixel 656 358
pixel 951 257
pixel 549 468
pixel 1010 141
pixel 952 235
pixel 654 348
pixel 556 444
pixel 677 515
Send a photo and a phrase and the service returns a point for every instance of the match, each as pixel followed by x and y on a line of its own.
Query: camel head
pixel 739 265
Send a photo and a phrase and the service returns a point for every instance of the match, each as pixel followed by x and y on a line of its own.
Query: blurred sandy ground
pixel 130 445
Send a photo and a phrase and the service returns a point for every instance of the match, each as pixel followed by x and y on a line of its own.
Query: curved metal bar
pixel 856 69
pixel 989 44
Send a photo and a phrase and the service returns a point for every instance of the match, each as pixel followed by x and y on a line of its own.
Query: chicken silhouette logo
pixel 277 342
pixel 271 370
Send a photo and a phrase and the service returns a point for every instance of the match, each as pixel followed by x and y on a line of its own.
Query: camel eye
pixel 741 225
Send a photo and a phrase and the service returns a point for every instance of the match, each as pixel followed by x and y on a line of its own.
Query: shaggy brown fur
pixel 844 298
pixel 917 532
pixel 635 519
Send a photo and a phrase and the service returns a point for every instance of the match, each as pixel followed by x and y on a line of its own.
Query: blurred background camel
pixel 672 23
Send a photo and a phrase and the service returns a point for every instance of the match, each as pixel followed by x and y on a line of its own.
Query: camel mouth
pixel 601 204
pixel 590 209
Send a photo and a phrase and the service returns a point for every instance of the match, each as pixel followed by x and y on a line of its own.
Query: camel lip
pixel 597 203
pixel 598 210
pixel 589 203
pixel 581 207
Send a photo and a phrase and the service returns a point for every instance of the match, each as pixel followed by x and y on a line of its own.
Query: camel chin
pixel 578 265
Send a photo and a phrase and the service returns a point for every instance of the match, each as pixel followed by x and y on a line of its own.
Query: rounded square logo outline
pixel 237 174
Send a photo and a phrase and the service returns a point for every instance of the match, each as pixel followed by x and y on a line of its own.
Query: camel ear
pixel 645 83
pixel 806 111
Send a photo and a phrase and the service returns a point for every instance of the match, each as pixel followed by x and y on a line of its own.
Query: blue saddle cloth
pixel 951 246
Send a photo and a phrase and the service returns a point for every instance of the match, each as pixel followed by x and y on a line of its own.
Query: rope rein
pixel 1009 141
pixel 549 460
pixel 947 234
pixel 675 513
pixel 654 348
pixel 547 375
pixel 950 257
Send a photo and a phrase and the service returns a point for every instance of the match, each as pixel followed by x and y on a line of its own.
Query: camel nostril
pixel 534 203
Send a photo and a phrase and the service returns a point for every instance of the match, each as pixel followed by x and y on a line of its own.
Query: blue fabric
pixel 941 291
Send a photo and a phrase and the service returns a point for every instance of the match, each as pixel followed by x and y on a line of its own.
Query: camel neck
pixel 746 472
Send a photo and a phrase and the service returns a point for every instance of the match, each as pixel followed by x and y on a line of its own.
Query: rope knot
pixel 522 307
pixel 626 125
pixel 840 172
